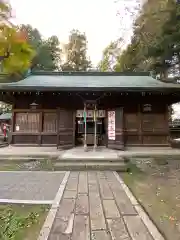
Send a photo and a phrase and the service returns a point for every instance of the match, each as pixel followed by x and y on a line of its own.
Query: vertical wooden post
pixel 95 128
pixel 12 129
pixel 40 128
pixel 13 120
pixel 140 124
pixel 85 127
pixel 167 122
pixel 58 113
pixel 123 127
pixel 106 126
pixel 74 127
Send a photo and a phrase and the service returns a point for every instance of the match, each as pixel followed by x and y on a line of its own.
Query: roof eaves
pixel 73 89
pixel 94 73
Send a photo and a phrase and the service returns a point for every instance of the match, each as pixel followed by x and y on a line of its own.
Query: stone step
pixel 29 158
pixel 93 159
pixel 26 157
pixel 21 159
pixel 3 144
pixel 89 165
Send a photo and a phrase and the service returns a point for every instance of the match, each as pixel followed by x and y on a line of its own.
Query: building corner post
pixel 85 128
pixel 95 128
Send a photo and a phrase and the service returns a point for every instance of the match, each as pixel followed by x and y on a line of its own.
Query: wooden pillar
pixel 167 122
pixel 58 116
pixel 40 128
pixel 95 128
pixel 85 127
pixel 140 133
pixel 13 121
pixel 106 127
pixel 74 127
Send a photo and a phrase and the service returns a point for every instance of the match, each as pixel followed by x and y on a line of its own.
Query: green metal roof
pixel 86 81
pixel 6 116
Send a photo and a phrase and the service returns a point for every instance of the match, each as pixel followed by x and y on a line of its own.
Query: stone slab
pixel 81 230
pixel 96 211
pixel 117 229
pixel 57 236
pixel 96 214
pixel 122 200
pixel 79 153
pixel 70 194
pixel 59 226
pixel 136 228
pixel 100 235
pixel 72 183
pixel 66 208
pixel 110 208
pixel 82 204
pixel 124 204
pixel 83 185
pixel 106 192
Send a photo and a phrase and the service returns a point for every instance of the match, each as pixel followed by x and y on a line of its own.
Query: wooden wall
pixel 146 128
pixel 35 126
pixel 141 128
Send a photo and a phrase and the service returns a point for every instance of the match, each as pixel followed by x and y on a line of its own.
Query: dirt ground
pixel 156 184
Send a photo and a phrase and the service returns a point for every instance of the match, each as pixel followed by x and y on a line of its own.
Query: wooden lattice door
pixel 66 129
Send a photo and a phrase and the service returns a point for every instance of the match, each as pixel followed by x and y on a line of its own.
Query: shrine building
pixel 68 109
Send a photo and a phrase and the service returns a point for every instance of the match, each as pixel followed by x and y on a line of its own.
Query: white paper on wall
pixel 17 128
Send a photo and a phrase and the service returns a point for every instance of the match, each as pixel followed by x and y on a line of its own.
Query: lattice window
pixel 27 122
pixel 50 122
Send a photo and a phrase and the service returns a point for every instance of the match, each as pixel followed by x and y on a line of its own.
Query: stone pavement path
pixel 94 206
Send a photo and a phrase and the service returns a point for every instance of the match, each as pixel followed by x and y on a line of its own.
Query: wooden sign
pixel 101 114
pixel 90 114
pixel 111 125
pixel 33 106
pixel 79 113
pixel 147 107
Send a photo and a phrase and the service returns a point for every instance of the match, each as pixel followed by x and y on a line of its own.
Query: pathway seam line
pixel 143 215
pixel 46 228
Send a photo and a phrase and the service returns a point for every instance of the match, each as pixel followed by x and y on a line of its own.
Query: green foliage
pixel 75 53
pixel 21 54
pixel 35 52
pixel 11 223
pixel 47 51
pixel 109 57
pixel 155 44
pixel 17 53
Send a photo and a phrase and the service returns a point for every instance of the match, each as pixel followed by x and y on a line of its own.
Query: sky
pixel 97 18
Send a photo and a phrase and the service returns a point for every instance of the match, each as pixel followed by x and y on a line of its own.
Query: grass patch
pixel 155 184
pixel 21 222
pixel 35 165
pixel 9 167
pixel 47 165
